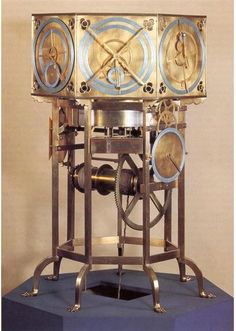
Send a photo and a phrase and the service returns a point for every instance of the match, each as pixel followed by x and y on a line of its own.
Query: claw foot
pixel 51 277
pixel 159 309
pixel 73 309
pixel 206 295
pixel 185 279
pixel 32 293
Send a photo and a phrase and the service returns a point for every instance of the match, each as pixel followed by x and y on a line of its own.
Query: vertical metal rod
pixel 88 186
pixel 71 194
pixel 55 179
pixel 119 233
pixel 168 220
pixel 146 199
pixel 181 215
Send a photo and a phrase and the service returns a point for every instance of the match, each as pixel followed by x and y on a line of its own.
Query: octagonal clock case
pixel 118 56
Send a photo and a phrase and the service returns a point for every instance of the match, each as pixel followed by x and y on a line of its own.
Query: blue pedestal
pixel 185 310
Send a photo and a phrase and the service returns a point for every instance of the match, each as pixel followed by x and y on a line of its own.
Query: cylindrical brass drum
pixel 103 180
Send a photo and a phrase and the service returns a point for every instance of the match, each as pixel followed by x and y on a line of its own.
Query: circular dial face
pixel 53 55
pixel 168 155
pixel 181 56
pixel 116 56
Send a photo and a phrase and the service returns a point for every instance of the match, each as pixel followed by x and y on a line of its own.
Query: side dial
pixel 182 56
pixel 53 55
pixel 168 155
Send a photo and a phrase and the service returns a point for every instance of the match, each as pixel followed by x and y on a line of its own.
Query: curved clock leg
pixel 40 267
pixel 182 272
pixel 78 287
pixel 56 271
pixel 199 276
pixel 155 289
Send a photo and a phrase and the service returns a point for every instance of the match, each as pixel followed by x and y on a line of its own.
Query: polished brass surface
pixel 165 114
pixel 115 50
pixel 103 180
pixel 122 118
pixel 107 56
pixel 116 239
pixel 168 156
pixel 182 53
pixel 53 55
pixel 124 82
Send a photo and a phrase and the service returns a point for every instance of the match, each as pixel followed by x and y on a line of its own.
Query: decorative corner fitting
pixel 148 24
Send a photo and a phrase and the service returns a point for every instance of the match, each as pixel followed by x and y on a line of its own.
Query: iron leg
pixel 79 287
pixel 199 276
pixel 182 272
pixel 155 289
pixel 56 271
pixel 40 267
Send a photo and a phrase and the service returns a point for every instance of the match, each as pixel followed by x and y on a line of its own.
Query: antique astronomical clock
pixel 124 82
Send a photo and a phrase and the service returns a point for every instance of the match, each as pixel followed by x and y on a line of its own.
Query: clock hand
pixel 124 65
pixel 183 34
pixel 185 83
pixel 168 156
pixel 129 41
pixel 117 76
pixel 102 44
pixel 52 39
pixel 105 64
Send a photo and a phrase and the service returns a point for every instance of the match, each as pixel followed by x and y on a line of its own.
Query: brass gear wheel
pixel 165 114
pixel 118 197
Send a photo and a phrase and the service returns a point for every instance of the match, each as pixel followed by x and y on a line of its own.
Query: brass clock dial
pixel 53 55
pixel 182 56
pixel 116 56
pixel 168 155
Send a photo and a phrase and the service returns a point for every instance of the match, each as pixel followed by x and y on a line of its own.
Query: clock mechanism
pixel 168 155
pixel 182 56
pixel 116 56
pixel 53 55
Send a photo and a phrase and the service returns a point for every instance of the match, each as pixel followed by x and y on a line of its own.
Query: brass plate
pixel 182 56
pixel 53 55
pixel 168 155
pixel 116 56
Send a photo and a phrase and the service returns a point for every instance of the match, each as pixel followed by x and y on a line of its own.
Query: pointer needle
pixel 174 164
pixel 52 44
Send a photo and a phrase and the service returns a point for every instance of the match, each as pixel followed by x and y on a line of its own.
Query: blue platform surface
pixel 185 310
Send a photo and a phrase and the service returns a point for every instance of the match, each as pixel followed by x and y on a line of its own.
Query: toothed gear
pixel 137 196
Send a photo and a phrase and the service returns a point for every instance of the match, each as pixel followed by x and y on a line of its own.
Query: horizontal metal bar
pixel 117 260
pixel 139 241
pixel 104 159
pixel 71 255
pixel 100 130
pixel 164 256
pixel 70 147
pixel 157 186
pixel 115 240
pixel 97 241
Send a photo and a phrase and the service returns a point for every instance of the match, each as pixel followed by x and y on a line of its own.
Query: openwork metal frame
pixel 90 146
